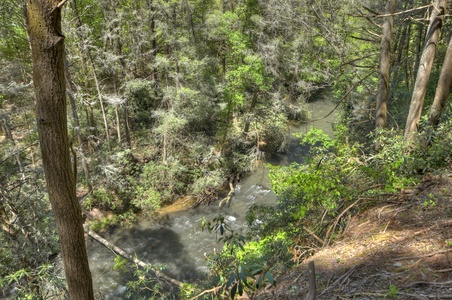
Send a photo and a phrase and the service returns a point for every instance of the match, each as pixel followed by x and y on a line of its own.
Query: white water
pixel 178 243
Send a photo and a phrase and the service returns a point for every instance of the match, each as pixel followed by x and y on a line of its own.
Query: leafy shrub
pixel 147 200
pixel 238 266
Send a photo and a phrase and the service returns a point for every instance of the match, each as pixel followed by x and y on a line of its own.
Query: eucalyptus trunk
pixel 425 67
pixel 443 88
pixel 385 63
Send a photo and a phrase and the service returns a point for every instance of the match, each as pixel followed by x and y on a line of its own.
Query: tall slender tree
pixel 385 60
pixel 43 19
pixel 425 67
pixel 443 88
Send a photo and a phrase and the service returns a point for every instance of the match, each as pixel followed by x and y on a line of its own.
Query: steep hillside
pixel 400 248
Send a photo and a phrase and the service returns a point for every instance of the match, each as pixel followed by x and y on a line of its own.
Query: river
pixel 177 242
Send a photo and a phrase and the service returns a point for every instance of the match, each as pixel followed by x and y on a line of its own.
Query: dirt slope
pixel 400 248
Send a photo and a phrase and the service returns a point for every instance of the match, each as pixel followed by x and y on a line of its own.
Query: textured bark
pixel 47 44
pixel 425 67
pixel 385 60
pixel 443 89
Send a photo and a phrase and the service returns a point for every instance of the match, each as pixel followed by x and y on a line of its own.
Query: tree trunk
pixel 443 88
pixel 152 11
pixel 425 67
pixel 78 130
pixel 250 114
pixel 4 122
pixel 385 62
pixel 93 67
pixel 47 43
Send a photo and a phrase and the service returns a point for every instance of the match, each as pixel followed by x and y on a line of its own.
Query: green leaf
pixel 256 271
pixel 233 291
pixel 240 288
pixel 242 277
pixel 259 281
pixel 230 281
pixel 270 278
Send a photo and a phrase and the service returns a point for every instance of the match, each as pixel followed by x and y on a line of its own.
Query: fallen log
pixel 130 257
pixel 227 199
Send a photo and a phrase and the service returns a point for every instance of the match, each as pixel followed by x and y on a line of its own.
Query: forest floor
pixel 399 248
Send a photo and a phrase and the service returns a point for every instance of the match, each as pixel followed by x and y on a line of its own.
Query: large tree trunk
pixel 385 61
pixel 47 44
pixel 443 88
pixel 425 67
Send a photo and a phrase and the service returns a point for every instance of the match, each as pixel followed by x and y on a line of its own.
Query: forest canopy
pixel 174 98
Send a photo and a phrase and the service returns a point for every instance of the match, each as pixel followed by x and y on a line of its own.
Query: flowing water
pixel 177 241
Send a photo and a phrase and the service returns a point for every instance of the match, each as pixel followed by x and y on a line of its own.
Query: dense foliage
pixel 175 98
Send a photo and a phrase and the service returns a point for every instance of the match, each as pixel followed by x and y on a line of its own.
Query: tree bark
pixel 443 88
pixel 425 67
pixel 385 63
pixel 47 43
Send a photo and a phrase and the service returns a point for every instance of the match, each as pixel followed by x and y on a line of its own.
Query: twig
pixel 61 3
pixel 341 279
pixel 213 290
pixel 331 230
pixel 314 236
pixel 344 97
pixel 443 223
pixel 363 294
pixel 444 283
pixel 443 270
pixel 383 295
pixel 377 15
pixel 425 255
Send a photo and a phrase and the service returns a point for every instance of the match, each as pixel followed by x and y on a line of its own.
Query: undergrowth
pixel 316 198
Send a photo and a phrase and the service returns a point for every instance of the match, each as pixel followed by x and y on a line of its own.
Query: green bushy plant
pixel 239 266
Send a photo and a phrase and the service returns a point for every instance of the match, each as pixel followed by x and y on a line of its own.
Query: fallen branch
pixel 227 199
pixel 340 280
pixel 443 270
pixel 437 225
pixel 314 236
pixel 130 257
pixel 384 295
pixel 213 290
pixel 332 228
pixel 425 255
pixel 444 283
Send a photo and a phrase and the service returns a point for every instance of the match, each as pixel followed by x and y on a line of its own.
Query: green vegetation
pixel 168 99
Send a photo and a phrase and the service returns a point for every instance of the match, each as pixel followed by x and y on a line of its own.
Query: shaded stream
pixel 177 241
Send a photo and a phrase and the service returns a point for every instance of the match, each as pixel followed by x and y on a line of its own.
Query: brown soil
pixel 399 249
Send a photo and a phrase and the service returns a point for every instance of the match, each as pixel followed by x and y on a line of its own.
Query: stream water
pixel 177 241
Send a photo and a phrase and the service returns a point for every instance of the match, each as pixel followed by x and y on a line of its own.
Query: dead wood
pixel 130 257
